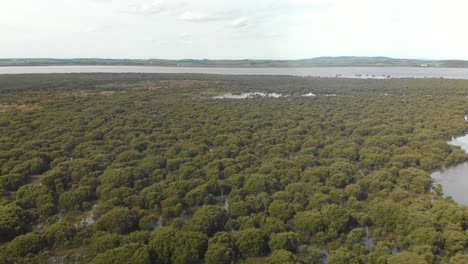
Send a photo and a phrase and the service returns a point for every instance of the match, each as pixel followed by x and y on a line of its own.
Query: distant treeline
pixel 312 62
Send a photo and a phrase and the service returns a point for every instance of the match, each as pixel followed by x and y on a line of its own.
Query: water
pixel 344 72
pixel 260 94
pixel 454 179
pixel 267 95
pixel 462 142
pixel 247 95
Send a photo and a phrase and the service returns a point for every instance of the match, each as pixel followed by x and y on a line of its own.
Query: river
pixel 454 179
pixel 344 72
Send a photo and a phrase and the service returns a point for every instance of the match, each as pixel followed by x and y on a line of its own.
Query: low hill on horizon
pixel 325 61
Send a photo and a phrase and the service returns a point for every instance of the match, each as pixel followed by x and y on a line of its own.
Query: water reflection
pixel 247 95
pixel 462 142
pixel 335 72
pixel 267 95
pixel 454 179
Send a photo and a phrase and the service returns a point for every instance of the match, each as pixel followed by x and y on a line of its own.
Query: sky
pixel 233 29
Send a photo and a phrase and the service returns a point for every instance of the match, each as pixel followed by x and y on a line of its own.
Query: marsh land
pixel 164 168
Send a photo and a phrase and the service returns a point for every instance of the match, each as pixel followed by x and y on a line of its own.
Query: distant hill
pixel 312 62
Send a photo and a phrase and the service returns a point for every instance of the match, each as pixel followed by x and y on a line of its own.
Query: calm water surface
pixel 454 180
pixel 345 72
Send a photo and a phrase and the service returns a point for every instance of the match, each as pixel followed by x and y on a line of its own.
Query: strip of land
pixel 343 61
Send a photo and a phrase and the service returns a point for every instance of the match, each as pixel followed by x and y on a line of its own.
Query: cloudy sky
pixel 233 29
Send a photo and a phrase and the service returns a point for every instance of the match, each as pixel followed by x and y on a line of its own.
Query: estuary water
pixel 343 72
pixel 454 179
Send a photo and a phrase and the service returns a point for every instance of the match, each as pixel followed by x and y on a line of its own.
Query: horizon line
pixel 220 59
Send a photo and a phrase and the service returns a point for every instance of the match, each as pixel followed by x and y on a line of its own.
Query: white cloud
pixel 233 28
pixel 147 7
pixel 193 16
pixel 240 22
pixel 185 35
pixel 186 38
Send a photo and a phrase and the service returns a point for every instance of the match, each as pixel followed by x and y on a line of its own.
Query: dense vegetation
pixel 148 168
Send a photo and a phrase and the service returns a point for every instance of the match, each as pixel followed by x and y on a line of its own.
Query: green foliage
pixel 250 242
pixel 219 253
pixel 309 222
pixel 385 213
pixel 162 243
pixel 256 183
pixel 281 210
pixel 311 255
pixel 459 258
pixel 12 181
pixel 343 256
pixel 282 256
pixel 36 197
pixel 102 242
pixel 230 180
pixel 114 178
pixel 60 234
pixel 329 222
pixel 25 245
pixel 14 221
pixel 130 253
pixel 407 258
pixel 287 240
pixel 74 199
pixel 189 247
pixel 118 220
pixel 208 219
pixel 222 248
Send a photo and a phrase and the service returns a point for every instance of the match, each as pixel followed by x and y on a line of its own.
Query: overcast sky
pixel 233 29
